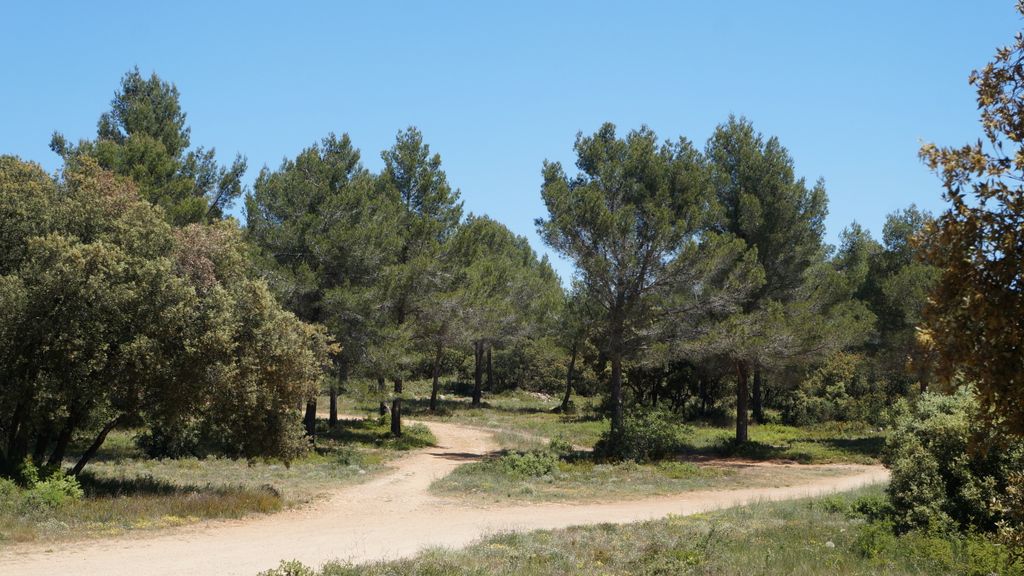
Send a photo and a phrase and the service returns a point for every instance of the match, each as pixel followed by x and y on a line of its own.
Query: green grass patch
pixel 539 475
pixel 830 443
pixel 805 537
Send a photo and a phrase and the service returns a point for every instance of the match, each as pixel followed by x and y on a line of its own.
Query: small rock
pixel 830 544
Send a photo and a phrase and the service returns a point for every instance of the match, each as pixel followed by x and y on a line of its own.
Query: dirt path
pixel 388 517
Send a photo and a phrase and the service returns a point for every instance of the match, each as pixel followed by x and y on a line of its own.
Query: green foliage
pixel 144 137
pixel 113 318
pixel 560 447
pixel 948 474
pixel 531 364
pixel 646 435
pixel 38 496
pixel 973 320
pixel 840 390
pixel 532 464
pixel 635 221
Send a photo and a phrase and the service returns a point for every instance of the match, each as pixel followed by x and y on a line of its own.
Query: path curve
pixel 388 517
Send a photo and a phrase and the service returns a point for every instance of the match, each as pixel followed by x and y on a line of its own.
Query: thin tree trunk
pixel 17 442
pixel 616 389
pixel 383 408
pixel 42 443
pixel 63 439
pixel 94 447
pixel 396 409
pixel 478 376
pixel 757 398
pixel 702 391
pixel 436 383
pixel 490 370
pixel 742 393
pixel 310 418
pixel 396 416
pixel 334 407
pixel 564 406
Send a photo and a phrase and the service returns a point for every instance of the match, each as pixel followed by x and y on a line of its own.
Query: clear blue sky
pixel 850 87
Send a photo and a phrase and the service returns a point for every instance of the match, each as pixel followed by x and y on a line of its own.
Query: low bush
pixel 947 473
pixel 841 390
pixel 561 447
pixel 532 464
pixel 36 496
pixel 646 436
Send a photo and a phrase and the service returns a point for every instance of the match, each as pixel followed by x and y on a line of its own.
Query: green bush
pixel 841 390
pixel 561 447
pixel 38 496
pixel 532 464
pixel 646 436
pixel 528 364
pixel 56 491
pixel 944 475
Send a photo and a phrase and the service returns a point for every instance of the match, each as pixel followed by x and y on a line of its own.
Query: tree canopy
pixel 144 137
pixel 975 320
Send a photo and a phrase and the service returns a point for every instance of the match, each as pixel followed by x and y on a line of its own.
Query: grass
pixel 804 537
pixel 125 491
pixel 830 443
pixel 583 480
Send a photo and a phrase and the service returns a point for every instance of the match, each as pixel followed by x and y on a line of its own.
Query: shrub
pixel 561 447
pixel 532 464
pixel 530 365
pixel 646 435
pixel 56 491
pixel 841 390
pixel 943 475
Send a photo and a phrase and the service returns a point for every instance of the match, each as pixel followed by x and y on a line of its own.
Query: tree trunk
pixel 436 383
pixel 94 447
pixel 334 407
pixel 478 376
pixel 383 408
pixel 616 390
pixel 310 419
pixel 396 409
pixel 702 392
pixel 63 439
pixel 564 407
pixel 17 442
pixel 742 393
pixel 490 370
pixel 757 397
pixel 396 416
pixel 42 443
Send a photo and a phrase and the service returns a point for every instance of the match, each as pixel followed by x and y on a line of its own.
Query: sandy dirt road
pixel 390 516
